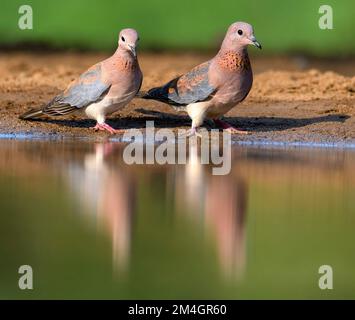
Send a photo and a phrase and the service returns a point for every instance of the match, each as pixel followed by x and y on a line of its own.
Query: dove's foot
pixel 190 133
pixel 106 127
pixel 226 126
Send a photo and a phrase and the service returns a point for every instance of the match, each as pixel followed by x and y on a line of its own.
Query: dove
pixel 212 88
pixel 103 89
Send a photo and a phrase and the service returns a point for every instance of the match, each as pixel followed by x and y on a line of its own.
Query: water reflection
pixel 219 203
pixel 106 190
pixel 107 193
pixel 177 227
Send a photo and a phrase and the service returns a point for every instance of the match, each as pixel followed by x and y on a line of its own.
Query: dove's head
pixel 128 41
pixel 239 36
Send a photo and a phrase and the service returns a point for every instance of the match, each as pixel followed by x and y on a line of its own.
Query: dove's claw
pixel 106 127
pixel 226 126
pixel 191 132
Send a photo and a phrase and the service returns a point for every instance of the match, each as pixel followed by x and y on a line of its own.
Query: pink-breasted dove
pixel 103 89
pixel 211 89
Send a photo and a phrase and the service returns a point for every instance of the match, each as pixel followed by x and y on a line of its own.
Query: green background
pixel 281 26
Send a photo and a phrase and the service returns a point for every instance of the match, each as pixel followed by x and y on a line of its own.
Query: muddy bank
pixel 292 100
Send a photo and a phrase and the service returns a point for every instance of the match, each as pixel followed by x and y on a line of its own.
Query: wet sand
pixel 293 100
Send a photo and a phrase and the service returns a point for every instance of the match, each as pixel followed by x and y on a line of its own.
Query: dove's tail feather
pixel 142 95
pixel 150 94
pixel 32 114
pixel 159 94
pixel 155 94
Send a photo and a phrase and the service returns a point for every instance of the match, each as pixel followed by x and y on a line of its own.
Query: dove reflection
pixel 107 192
pixel 107 189
pixel 220 204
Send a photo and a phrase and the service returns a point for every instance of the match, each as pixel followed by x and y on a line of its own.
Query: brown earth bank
pixel 293 99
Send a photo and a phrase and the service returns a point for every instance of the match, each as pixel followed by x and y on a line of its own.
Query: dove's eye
pixel 240 32
pixel 123 39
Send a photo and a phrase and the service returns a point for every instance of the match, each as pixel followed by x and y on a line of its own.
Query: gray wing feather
pixel 192 87
pixel 82 93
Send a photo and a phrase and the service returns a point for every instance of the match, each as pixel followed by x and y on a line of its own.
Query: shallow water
pixel 91 226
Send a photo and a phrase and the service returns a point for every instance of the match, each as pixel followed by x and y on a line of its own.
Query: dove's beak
pixel 133 50
pixel 255 43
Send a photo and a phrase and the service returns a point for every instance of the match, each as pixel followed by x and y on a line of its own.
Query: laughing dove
pixel 103 89
pixel 211 89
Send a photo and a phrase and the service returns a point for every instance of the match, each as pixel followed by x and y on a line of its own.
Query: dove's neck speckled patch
pixel 233 61
pixel 126 65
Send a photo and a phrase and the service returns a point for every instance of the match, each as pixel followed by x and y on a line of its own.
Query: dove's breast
pixel 121 92
pixel 234 79
pixel 108 105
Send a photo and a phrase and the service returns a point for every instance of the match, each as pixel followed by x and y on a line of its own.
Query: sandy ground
pixel 292 99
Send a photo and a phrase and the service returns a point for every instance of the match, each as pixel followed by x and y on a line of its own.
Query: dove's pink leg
pixel 191 132
pixel 105 126
pixel 227 126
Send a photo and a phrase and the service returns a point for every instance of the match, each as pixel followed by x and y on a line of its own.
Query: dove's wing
pixel 88 88
pixel 191 87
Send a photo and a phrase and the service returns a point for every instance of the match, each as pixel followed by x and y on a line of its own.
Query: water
pixel 91 226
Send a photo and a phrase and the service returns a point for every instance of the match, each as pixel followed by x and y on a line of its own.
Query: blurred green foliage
pixel 281 26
